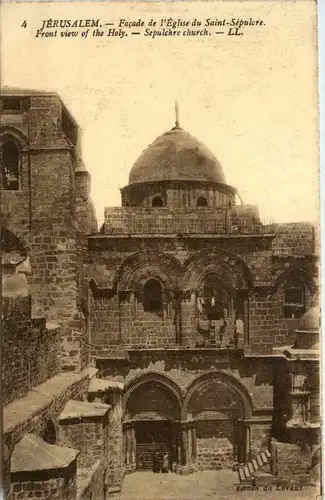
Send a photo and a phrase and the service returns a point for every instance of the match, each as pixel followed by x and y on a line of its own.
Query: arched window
pixel 294 299
pixel 10 158
pixel 153 296
pixel 201 202
pixel 49 434
pixel 157 201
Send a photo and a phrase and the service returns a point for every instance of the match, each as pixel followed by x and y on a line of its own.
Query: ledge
pixel 22 410
pixel 302 354
pixel 32 454
pixel 83 409
pixel 218 354
pixel 184 236
pixel 297 423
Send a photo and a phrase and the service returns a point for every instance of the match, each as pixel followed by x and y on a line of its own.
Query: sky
pixel 251 99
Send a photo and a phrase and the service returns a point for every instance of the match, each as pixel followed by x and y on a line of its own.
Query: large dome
pixel 176 155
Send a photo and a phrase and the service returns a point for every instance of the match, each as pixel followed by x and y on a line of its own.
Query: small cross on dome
pixel 176 114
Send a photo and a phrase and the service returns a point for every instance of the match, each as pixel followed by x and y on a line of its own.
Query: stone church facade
pixel 183 326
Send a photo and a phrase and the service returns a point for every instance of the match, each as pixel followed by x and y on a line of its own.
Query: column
pixel 247 434
pixel 194 442
pixel 246 325
pixel 124 443
pixel 128 442
pixel 184 444
pixel 174 445
pixel 133 449
pixel 189 443
pixel 236 444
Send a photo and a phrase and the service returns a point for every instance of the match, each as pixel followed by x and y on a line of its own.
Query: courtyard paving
pixel 221 485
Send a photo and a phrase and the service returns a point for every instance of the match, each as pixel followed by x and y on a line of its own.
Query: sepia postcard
pixel 160 250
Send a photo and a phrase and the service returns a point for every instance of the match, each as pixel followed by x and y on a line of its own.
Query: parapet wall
pixel 134 220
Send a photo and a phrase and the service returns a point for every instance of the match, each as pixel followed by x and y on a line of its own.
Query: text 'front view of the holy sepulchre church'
pixel 182 325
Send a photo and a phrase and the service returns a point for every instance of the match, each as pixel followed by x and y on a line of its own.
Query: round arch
pixel 296 273
pixel 231 380
pixel 157 201
pixel 214 270
pixel 50 431
pixel 229 267
pixel 141 266
pixel 202 202
pixel 11 242
pixel 161 379
pixel 15 135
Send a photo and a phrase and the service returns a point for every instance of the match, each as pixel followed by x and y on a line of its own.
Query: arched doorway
pixel 151 422
pixel 219 411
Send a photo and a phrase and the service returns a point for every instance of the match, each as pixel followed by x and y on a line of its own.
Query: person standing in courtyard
pixel 165 463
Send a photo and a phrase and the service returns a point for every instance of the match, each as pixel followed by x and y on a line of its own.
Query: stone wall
pixel 91 482
pixel 293 239
pixel 41 487
pixel 214 444
pixel 31 350
pixel 214 454
pixel 292 463
pixel 88 435
pixel 147 329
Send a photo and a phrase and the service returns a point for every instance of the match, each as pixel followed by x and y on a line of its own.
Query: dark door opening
pixel 153 436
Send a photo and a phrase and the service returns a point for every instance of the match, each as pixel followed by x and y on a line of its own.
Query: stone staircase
pixel 247 473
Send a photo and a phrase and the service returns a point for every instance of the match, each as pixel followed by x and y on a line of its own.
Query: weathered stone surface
pixel 33 454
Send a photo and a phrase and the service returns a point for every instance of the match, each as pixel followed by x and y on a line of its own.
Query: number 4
pixel 24 25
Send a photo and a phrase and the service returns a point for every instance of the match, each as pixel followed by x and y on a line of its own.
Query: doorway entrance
pixel 153 437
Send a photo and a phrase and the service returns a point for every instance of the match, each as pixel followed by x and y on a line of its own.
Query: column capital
pixel 128 425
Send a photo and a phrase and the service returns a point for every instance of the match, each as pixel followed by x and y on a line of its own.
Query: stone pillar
pixel 174 445
pixel 189 444
pixel 124 444
pixel 184 443
pixel 247 434
pixel 6 466
pixel 128 444
pixel 115 440
pixel 186 449
pixel 236 445
pixel 193 442
pixel 133 448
